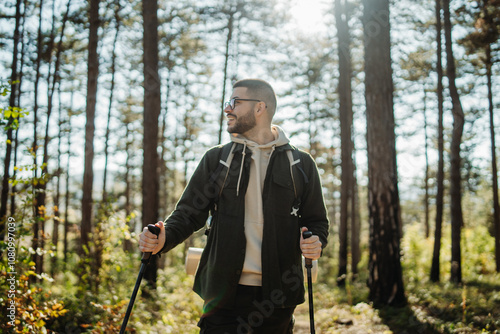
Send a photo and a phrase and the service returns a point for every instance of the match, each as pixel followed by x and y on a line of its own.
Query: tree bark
pixel 36 241
pixel 164 191
pixel 494 174
pixel 18 97
pixel 385 273
pixel 456 139
pixel 110 106
pixel 127 244
pixel 152 108
pixel 88 173
pixel 435 266
pixel 426 176
pixel 51 84
pixel 67 192
pixel 355 222
pixel 345 112
pixel 226 60
pixel 12 103
pixel 55 230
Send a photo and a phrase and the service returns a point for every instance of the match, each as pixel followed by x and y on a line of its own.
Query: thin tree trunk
pixel 345 112
pixel 456 139
pixel 127 244
pixel 40 195
pixel 355 222
pixel 226 60
pixel 152 108
pixel 494 174
pixel 51 84
pixel 88 173
pixel 66 192
pixel 110 106
pixel 163 164
pixel 435 267
pixel 18 97
pixel 36 242
pixel 426 176
pixel 385 273
pixel 12 103
pixel 55 231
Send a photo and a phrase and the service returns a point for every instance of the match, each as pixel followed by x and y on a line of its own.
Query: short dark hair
pixel 260 89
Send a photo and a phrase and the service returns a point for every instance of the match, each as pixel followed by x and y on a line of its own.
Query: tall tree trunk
pixel 40 195
pixel 36 242
pixel 345 111
pixel 52 88
pixel 494 174
pixel 355 221
pixel 55 230
pixel 226 60
pixel 127 244
pixel 88 172
pixel 110 106
pixel 426 176
pixel 12 103
pixel 456 139
pixel 385 273
pixel 163 163
pixel 66 192
pixel 18 97
pixel 435 266
pixel 152 108
pixel 51 84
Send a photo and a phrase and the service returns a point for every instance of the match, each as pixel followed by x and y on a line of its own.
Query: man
pixel 261 197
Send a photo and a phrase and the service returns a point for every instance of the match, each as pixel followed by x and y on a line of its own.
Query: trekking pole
pixel 308 265
pixel 144 263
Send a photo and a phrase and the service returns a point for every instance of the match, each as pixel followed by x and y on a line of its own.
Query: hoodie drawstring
pixel 241 167
pixel 272 151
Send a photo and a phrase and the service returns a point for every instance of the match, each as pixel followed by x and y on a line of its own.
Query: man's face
pixel 241 119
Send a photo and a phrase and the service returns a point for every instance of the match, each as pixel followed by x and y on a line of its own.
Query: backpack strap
pixel 219 175
pixel 296 174
pixel 225 158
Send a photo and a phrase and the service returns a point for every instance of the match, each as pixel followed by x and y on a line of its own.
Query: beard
pixel 243 123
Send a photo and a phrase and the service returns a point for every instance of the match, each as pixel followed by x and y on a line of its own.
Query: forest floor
pixel 432 308
pixel 339 319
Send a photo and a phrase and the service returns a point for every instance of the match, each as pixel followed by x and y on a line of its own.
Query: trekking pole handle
pixel 156 231
pixel 307 235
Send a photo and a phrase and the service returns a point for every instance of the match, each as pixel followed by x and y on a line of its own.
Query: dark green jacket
pixel 222 260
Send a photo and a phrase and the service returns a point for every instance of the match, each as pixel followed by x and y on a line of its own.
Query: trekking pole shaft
pixel 132 298
pixel 144 263
pixel 308 265
pixel 310 293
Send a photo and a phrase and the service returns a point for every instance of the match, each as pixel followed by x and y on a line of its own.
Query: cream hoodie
pixel 254 214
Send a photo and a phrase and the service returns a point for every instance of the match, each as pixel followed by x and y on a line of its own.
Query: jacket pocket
pixel 282 194
pixel 228 202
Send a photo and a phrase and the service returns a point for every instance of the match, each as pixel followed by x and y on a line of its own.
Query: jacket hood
pixel 280 139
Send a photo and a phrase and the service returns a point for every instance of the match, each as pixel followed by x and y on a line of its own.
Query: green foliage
pixel 10 115
pixel 446 307
pixel 25 307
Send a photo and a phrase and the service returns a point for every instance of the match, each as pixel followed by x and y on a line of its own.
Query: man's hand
pixel 148 242
pixel 310 247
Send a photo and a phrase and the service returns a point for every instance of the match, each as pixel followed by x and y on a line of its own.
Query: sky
pixel 308 15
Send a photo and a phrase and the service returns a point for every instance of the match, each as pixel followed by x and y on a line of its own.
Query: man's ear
pixel 261 107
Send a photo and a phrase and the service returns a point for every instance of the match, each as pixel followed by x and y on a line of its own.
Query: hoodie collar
pixel 280 142
pixel 280 139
